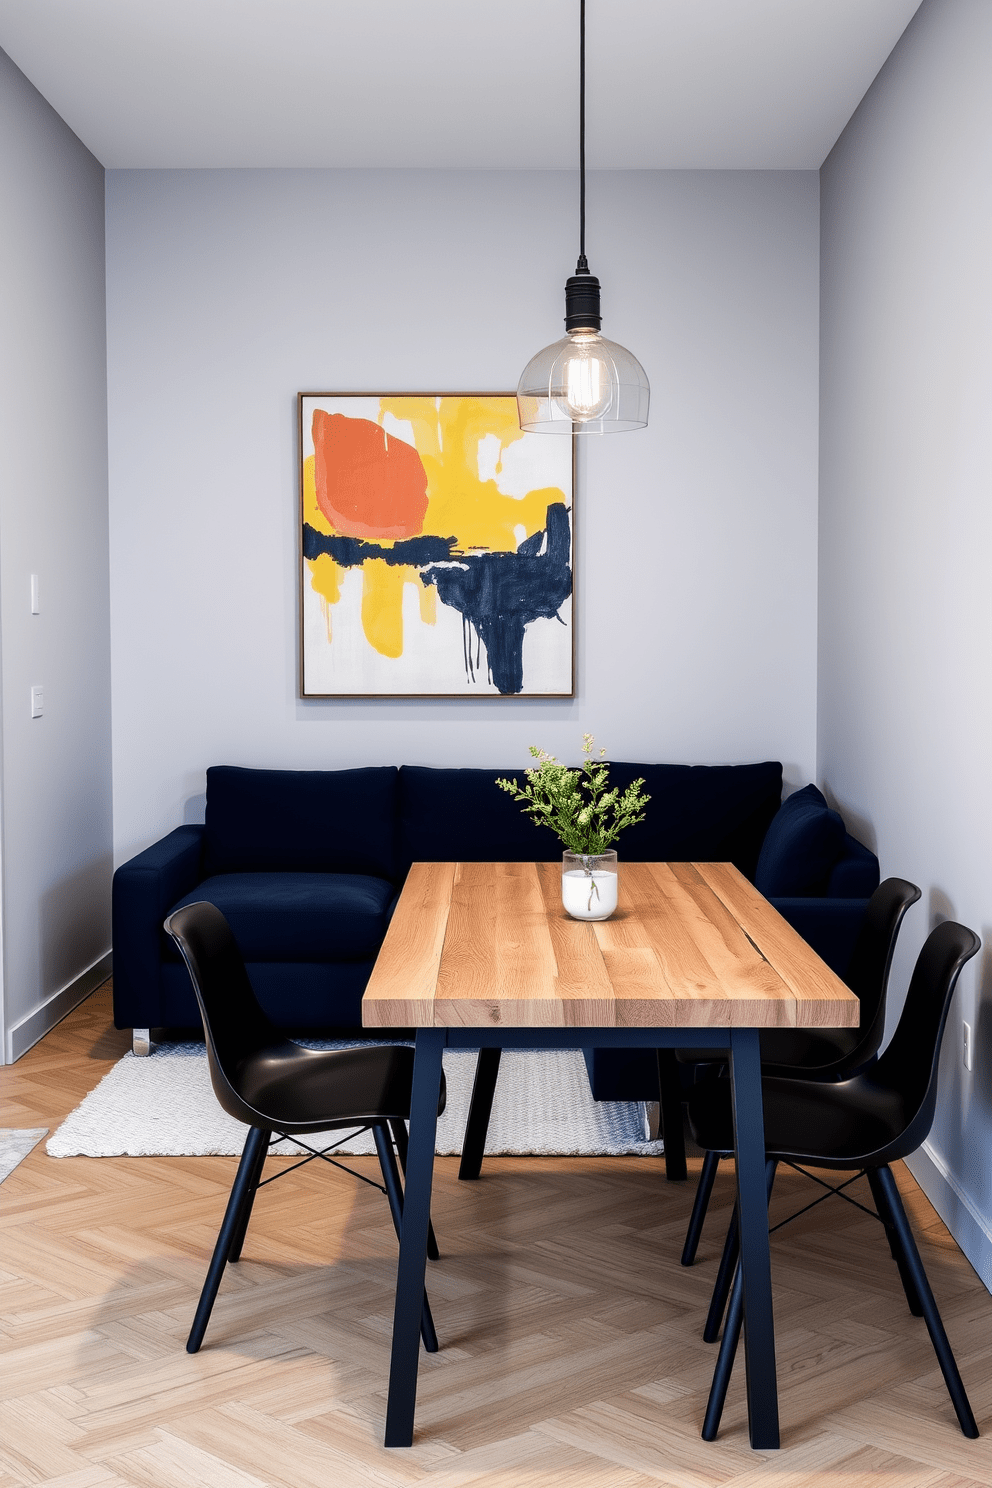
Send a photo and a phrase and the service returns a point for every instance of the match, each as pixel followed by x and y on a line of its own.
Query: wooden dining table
pixel 482 955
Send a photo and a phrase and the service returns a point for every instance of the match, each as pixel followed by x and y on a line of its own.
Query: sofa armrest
pixel 856 873
pixel 829 925
pixel 144 889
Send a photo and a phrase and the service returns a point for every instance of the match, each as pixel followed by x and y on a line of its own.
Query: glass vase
pixel 589 884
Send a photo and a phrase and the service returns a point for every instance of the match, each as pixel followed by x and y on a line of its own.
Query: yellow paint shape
pixel 460 505
pixel 382 603
pixel 427 595
pixel 325 578
pixel 311 511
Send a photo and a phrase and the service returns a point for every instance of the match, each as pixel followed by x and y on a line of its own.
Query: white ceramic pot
pixel 589 884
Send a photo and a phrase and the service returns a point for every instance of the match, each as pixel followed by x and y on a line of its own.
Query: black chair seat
pixel 824 1126
pixel 789 1047
pixel 298 1090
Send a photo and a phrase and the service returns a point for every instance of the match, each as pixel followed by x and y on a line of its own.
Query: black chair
pixel 858 1124
pixel 279 1089
pixel 825 1054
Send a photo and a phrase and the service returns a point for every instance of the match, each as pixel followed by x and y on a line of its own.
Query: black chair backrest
pixel 908 1065
pixel 871 960
pixel 234 1023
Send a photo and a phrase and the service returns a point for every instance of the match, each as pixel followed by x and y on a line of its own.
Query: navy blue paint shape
pixel 352 552
pixel 500 594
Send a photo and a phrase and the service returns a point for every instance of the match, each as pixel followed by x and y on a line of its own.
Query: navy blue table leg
pixel 479 1112
pixel 752 1199
pixel 672 1119
pixel 410 1276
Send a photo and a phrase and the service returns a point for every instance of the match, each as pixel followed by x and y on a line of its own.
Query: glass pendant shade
pixel 583 384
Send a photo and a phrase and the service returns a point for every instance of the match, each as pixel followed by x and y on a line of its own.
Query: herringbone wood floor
pixel 571 1350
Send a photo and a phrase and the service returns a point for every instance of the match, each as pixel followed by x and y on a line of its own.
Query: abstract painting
pixel 436 549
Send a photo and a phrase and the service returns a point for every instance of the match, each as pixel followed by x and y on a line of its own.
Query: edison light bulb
pixel 586 391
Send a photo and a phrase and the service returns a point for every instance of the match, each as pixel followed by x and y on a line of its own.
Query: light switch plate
pixel 37 701
pixel 35 600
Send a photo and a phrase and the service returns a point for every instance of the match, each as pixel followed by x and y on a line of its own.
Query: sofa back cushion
pixel 300 821
pixel 801 846
pixel 701 813
pixel 711 813
pixel 451 816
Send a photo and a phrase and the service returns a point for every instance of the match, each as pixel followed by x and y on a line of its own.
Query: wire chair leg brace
pixel 256 1141
pixel 935 1327
pixel 394 1193
pixel 730 1340
pixel 237 1244
pixel 724 1277
pixel 402 1140
pixel 885 1215
pixel 704 1189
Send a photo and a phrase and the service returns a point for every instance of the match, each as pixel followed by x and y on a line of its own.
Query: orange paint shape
pixel 368 485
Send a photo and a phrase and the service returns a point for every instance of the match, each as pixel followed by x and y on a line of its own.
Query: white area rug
pixel 15 1144
pixel 162 1105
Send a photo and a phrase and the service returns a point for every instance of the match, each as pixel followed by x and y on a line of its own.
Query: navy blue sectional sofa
pixel 307 866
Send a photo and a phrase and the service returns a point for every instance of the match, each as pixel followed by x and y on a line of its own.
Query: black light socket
pixel 582 301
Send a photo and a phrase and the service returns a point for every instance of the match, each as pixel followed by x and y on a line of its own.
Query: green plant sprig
pixel 584 814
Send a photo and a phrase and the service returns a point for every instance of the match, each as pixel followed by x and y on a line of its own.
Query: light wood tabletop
pixel 476 945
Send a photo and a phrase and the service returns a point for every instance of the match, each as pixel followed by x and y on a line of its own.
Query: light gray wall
pixel 56 770
pixel 905 714
pixel 230 291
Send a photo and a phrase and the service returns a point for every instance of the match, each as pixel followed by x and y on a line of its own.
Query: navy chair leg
pixel 237 1244
pixel 394 1193
pixel 935 1327
pixel 479 1112
pixel 402 1140
pixel 724 1278
pixel 711 1161
pixel 725 1359
pixel 885 1215
pixel 257 1141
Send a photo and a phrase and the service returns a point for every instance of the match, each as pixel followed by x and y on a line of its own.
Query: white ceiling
pixel 738 84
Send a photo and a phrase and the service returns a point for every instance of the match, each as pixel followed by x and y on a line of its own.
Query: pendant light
pixel 583 384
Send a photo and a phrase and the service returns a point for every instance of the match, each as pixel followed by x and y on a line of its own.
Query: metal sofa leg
pixel 142 1042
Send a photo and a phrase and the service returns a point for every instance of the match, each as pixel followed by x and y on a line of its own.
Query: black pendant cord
pixel 582 267
pixel 582 310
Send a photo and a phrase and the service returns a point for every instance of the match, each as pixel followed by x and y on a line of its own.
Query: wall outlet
pixel 966 1045
pixel 37 701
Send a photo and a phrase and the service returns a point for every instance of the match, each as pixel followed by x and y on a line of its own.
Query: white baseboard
pixel 35 1025
pixel 970 1229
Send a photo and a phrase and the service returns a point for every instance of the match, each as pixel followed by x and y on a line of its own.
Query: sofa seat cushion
pixel 301 916
pixel 802 845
